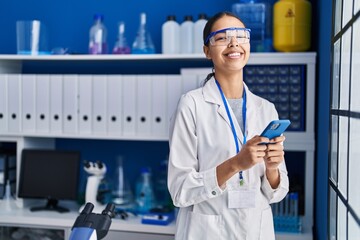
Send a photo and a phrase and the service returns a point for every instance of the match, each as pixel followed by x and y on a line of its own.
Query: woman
pixel 219 175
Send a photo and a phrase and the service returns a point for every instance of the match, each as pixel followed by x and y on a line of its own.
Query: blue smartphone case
pixel 275 128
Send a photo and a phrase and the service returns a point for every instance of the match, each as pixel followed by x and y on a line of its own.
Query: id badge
pixel 242 198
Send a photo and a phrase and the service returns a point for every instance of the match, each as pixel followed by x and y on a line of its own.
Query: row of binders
pixel 121 106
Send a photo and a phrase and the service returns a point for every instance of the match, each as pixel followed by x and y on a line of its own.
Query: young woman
pixel 219 175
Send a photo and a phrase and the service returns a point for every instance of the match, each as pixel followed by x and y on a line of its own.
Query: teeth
pixel 234 54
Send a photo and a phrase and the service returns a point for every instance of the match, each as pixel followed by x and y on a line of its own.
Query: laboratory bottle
pixel 98 34
pixel 292 25
pixel 121 193
pixel 121 46
pixel 186 35
pixel 162 195
pixel 252 14
pixel 143 43
pixel 170 32
pixel 198 33
pixel 145 198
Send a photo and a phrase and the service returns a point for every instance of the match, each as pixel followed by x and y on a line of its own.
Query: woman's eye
pixel 220 39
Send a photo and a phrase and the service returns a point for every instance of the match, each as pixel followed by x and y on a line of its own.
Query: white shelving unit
pixel 295 141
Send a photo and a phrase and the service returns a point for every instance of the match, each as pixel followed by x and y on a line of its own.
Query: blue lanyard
pixel 232 123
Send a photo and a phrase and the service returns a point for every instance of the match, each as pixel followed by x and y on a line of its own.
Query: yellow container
pixel 292 25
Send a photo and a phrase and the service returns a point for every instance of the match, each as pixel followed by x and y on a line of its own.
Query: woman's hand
pixel 274 153
pixel 251 153
pixel 274 156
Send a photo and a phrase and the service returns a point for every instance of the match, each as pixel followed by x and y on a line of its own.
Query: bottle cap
pixel 99 16
pixel 171 18
pixel 188 18
pixel 202 16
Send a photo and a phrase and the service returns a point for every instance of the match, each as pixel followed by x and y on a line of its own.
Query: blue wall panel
pixel 68 22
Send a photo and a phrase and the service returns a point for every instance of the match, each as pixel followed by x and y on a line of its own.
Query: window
pixel 344 152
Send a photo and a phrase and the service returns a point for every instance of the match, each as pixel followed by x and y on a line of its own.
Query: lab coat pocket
pixel 203 227
pixel 267 225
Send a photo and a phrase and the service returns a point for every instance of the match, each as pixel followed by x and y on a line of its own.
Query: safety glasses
pixel 223 37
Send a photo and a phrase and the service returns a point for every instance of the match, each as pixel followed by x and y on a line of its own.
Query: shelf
pixel 48 219
pixel 255 58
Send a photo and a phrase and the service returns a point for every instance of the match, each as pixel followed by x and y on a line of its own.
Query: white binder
pixel 174 92
pixel 56 103
pixel 129 104
pixel 85 104
pixel 70 97
pixel 28 92
pixel 190 82
pixel 99 104
pixel 114 105
pixel 14 101
pixel 194 77
pixel 159 123
pixel 3 104
pixel 143 106
pixel 42 103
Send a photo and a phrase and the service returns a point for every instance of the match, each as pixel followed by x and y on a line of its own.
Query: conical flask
pixel 143 43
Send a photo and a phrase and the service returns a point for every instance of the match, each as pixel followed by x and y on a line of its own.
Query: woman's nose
pixel 233 42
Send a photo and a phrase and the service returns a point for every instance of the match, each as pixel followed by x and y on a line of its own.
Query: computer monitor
pixel 51 175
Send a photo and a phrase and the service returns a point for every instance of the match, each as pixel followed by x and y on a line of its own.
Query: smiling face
pixel 233 56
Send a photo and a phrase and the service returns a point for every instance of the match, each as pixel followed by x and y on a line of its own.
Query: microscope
pixel 92 226
pixel 96 171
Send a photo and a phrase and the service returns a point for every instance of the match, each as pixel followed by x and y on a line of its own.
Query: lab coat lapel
pixel 211 94
pixel 252 114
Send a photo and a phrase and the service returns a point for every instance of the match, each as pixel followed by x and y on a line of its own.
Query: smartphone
pixel 275 128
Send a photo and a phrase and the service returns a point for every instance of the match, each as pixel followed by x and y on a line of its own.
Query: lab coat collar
pixel 212 95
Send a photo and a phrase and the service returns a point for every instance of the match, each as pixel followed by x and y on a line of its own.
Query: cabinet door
pixel 116 235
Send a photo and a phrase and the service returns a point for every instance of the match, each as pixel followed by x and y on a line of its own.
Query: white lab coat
pixel 201 139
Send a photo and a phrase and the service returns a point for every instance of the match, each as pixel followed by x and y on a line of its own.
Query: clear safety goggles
pixel 224 36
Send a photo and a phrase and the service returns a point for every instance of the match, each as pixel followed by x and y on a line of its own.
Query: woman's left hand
pixel 274 154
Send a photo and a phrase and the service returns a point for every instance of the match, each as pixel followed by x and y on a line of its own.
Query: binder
pixel 42 103
pixel 56 103
pixel 129 104
pixel 99 104
pixel 3 104
pixel 143 106
pixel 70 100
pixel 159 123
pixel 174 92
pixel 193 77
pixel 114 105
pixel 85 104
pixel 190 82
pixel 28 92
pixel 14 101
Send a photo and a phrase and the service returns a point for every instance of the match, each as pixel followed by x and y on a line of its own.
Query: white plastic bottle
pixel 98 34
pixel 186 35
pixel 198 33
pixel 170 36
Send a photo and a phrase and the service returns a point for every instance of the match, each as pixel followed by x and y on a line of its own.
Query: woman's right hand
pixel 251 153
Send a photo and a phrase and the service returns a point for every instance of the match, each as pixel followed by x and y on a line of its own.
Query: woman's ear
pixel 206 50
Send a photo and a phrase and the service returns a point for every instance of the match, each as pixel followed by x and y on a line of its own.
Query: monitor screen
pixel 49 174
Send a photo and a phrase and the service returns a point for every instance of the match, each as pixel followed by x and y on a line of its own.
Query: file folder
pixel 99 104
pixel 85 104
pixel 174 92
pixel 143 106
pixel 42 103
pixel 28 93
pixel 114 105
pixel 129 105
pixel 159 123
pixel 14 101
pixel 3 103
pixel 70 98
pixel 56 103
